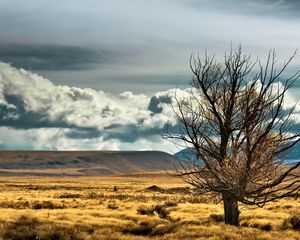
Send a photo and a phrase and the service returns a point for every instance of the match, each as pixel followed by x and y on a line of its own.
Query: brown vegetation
pixel 89 208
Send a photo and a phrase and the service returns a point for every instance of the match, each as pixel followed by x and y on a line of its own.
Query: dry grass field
pixel 137 206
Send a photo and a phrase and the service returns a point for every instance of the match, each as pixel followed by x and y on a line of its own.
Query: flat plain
pixel 135 206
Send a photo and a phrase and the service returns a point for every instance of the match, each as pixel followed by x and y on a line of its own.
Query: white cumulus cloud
pixel 43 115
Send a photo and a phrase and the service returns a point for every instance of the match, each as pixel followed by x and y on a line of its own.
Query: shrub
pixel 291 222
pixel 36 205
pixel 217 217
pixel 92 195
pixel 68 195
pixel 142 210
pixel 15 205
pixel 171 204
pixel 144 229
pixel 90 230
pixel 286 224
pixel 160 209
pixel 245 224
pixel 258 223
pixel 45 205
pixel 266 227
pixel 295 222
pixel 112 205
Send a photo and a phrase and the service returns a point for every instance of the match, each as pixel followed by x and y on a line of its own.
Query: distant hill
pixel 187 154
pixel 86 163
pixel 294 153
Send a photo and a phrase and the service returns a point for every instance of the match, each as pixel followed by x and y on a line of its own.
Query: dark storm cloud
pixel 20 118
pixel 130 133
pixel 83 133
pixel 53 57
pixel 154 105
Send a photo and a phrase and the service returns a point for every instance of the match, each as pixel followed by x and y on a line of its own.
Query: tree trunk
pixel 231 209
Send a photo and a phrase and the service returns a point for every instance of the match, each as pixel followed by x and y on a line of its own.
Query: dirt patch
pixel 155 188
pixel 176 190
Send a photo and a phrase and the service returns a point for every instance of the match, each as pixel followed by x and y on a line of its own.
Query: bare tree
pixel 239 128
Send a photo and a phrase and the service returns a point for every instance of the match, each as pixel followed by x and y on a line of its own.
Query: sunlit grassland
pixel 120 208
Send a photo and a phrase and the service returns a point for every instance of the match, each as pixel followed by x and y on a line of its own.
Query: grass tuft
pixel 159 209
pixel 295 222
pixel 146 228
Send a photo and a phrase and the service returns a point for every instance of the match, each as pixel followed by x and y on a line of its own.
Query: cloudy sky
pixel 98 74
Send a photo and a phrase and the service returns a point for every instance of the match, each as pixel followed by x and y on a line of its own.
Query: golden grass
pixel 116 208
